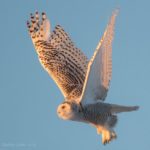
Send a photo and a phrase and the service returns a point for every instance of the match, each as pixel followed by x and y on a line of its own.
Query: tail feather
pixel 119 108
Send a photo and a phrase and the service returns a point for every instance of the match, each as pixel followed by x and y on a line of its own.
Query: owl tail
pixel 118 108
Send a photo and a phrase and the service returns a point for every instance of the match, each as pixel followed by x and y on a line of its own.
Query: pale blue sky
pixel 29 98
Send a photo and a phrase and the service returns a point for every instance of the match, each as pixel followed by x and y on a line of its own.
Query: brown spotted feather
pixel 65 63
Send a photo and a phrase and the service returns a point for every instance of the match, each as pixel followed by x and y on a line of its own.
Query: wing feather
pixel 99 70
pixel 65 63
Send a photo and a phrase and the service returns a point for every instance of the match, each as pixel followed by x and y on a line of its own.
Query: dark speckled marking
pixel 65 63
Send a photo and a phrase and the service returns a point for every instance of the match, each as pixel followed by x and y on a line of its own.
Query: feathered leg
pixel 107 134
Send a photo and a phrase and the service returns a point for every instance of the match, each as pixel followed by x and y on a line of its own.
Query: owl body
pixel 100 113
pixel 84 83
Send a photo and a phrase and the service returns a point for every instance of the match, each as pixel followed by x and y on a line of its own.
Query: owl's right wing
pixel 65 63
pixel 99 68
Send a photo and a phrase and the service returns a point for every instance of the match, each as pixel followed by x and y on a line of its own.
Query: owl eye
pixel 63 107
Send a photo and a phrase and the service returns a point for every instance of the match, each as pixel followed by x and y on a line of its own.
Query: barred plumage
pixel 83 83
pixel 100 114
pixel 97 113
pixel 65 63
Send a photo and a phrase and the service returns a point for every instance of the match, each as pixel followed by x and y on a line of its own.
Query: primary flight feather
pixel 84 83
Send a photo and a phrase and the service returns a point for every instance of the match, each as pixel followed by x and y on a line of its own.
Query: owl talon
pixel 106 142
pixel 113 135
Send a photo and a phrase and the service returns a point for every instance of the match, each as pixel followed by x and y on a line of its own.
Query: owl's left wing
pixel 65 63
pixel 99 68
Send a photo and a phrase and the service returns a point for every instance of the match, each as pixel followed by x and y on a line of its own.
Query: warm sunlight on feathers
pixel 83 83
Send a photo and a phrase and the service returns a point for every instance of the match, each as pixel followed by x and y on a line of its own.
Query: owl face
pixel 65 111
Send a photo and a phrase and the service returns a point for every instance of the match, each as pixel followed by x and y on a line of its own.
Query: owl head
pixel 67 110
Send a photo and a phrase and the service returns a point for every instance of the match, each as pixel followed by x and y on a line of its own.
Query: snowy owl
pixel 84 83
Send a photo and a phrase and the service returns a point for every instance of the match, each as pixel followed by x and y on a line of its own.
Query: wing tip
pixel 116 11
pixel 38 26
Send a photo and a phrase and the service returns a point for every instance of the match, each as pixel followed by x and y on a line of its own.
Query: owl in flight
pixel 84 83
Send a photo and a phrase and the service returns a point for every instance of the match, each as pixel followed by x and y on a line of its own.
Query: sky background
pixel 29 97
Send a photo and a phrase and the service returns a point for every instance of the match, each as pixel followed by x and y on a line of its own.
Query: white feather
pixel 99 68
pixel 47 29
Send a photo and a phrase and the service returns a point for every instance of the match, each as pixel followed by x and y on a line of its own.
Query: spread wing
pixel 65 63
pixel 100 67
